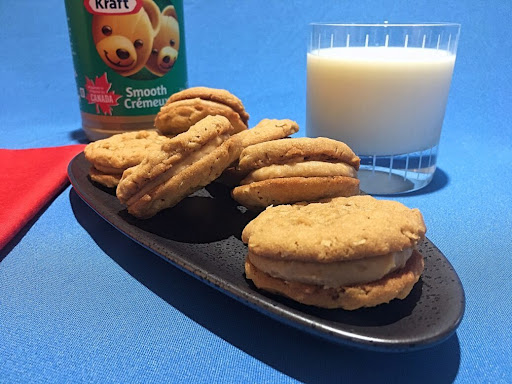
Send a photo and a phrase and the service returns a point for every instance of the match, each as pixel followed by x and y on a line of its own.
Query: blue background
pixel 81 303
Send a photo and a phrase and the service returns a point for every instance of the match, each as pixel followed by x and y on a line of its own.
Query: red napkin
pixel 29 179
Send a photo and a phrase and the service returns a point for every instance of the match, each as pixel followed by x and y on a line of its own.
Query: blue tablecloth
pixel 79 302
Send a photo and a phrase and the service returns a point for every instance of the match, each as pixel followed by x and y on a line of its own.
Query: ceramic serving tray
pixel 201 236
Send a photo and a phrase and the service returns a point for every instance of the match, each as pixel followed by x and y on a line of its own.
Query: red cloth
pixel 29 179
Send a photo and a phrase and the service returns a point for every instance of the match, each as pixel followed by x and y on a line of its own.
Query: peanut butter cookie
pixel 183 165
pixel 110 157
pixel 265 130
pixel 345 252
pixel 268 130
pixel 185 108
pixel 293 170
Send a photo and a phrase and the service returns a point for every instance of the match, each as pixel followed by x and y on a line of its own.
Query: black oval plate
pixel 201 235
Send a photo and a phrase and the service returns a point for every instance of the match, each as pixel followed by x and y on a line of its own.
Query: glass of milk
pixel 382 89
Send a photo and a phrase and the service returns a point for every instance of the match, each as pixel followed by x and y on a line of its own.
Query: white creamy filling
pixel 334 274
pixel 186 162
pixel 300 169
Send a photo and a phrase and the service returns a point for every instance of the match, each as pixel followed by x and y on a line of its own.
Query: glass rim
pixel 384 24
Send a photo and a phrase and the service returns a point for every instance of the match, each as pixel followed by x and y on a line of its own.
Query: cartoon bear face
pixel 124 42
pixel 166 44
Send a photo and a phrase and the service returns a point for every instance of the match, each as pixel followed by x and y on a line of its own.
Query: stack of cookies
pixel 317 240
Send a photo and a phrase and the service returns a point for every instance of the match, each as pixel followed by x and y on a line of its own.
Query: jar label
pixel 128 55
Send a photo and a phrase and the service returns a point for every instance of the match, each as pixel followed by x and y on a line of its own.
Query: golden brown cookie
pixel 265 130
pixel 110 157
pixel 179 116
pixel 297 150
pixel 261 194
pixel 213 94
pixel 268 130
pixel 185 108
pixel 184 164
pixel 293 170
pixel 339 253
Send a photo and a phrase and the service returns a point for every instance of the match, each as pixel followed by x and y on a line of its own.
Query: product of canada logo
pixel 98 92
pixel 135 35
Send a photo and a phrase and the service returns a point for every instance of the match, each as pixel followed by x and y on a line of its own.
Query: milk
pixel 379 100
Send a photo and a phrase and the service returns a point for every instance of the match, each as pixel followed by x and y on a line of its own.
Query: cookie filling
pixel 333 274
pixel 300 169
pixel 178 167
pixel 109 170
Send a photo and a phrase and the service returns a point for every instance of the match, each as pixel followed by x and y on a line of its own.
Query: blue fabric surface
pixel 79 302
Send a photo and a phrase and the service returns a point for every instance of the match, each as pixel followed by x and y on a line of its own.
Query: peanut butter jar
pixel 129 57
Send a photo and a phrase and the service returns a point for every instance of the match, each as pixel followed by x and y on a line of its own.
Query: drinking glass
pixel 382 89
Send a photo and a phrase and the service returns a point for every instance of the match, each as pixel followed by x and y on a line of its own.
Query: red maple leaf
pixel 98 93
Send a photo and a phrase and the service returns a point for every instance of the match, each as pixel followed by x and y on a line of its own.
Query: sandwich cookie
pixel 293 170
pixel 110 157
pixel 183 165
pixel 185 108
pixel 345 252
pixel 265 130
